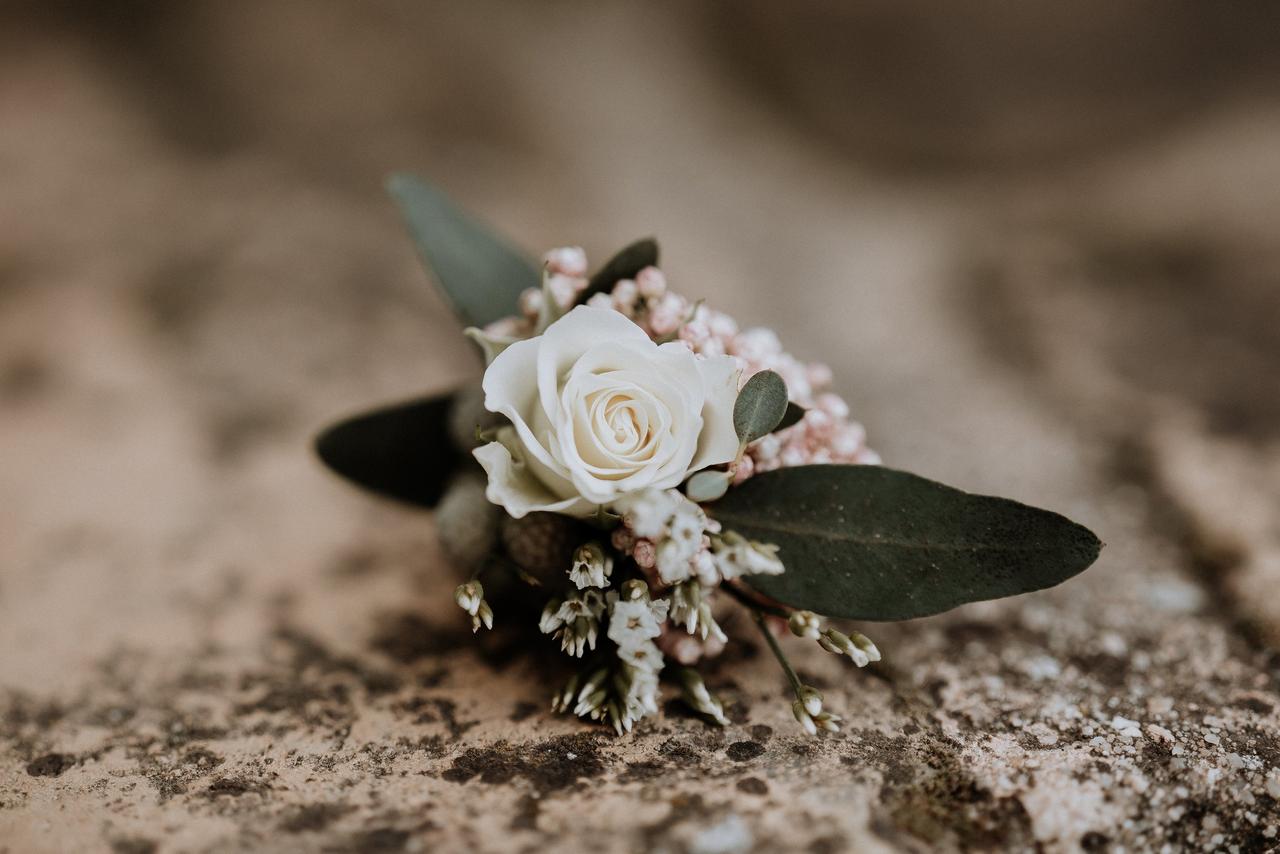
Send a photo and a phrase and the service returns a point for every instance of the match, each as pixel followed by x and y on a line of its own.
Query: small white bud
pixel 651 282
pixel 827 721
pixel 803 718
pixel 483 616
pixel 550 620
pixel 531 302
pixel 868 648
pixel 634 590
pixel 699 698
pixel 811 699
pixel 805 624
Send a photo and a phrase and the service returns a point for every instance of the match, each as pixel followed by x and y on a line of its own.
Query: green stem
pixel 796 685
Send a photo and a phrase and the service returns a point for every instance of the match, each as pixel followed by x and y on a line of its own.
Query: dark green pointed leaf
pixel 872 543
pixel 402 451
pixel 792 417
pixel 481 275
pixel 625 265
pixel 760 407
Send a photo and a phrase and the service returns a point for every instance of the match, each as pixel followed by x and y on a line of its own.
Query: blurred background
pixel 1037 242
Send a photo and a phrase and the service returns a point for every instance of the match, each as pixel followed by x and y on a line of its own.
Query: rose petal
pixel 718 442
pixel 511 389
pixel 513 487
pixel 565 341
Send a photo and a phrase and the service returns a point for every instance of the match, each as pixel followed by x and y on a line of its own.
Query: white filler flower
pixel 598 410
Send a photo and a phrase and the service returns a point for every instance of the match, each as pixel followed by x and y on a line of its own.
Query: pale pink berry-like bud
pixel 833 405
pixel 600 301
pixel 820 457
pixel 848 440
pixel 645 553
pixel 563 289
pixel 665 317
pixel 796 376
pixel 746 468
pixel 696 333
pixel 818 422
pixel 569 260
pixel 792 456
pixel 819 375
pixel 766 448
pixel 867 457
pixel 652 283
pixel 721 325
pixel 625 294
pixel 531 302
pixel 757 345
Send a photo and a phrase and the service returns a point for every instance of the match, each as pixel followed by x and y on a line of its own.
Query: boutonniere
pixel 639 463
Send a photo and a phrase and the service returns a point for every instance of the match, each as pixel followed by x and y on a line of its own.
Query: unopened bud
pixel 634 590
pixel 805 624
pixel 827 721
pixel 868 648
pixel 550 620
pixel 811 699
pixel 838 643
pixel 482 616
pixel 803 718
pixel 563 699
pixel 469 596
pixel 699 698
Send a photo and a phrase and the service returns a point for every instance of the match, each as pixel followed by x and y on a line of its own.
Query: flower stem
pixel 796 685
pixel 752 603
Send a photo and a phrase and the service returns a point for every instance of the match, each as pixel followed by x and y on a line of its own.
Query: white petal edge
pixel 510 389
pixel 513 488
pixel 719 441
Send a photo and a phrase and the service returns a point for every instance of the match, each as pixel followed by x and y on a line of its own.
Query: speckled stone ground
pixel 209 644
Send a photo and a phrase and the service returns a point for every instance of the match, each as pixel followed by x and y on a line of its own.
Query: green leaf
pixel 481 275
pixel 401 451
pixel 760 407
pixel 792 417
pixel 708 485
pixel 872 543
pixel 625 265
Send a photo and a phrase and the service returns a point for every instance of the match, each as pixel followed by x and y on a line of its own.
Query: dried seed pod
pixel 467 522
pixel 542 544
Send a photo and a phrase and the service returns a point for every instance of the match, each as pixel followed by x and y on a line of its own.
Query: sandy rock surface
pixel 208 643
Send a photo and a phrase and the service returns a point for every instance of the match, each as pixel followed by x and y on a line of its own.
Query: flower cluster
pixel 609 402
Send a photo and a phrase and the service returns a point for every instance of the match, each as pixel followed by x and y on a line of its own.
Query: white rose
pixel 598 410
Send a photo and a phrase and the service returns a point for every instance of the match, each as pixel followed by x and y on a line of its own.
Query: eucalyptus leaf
pixel 760 407
pixel 402 451
pixel 481 276
pixel 708 485
pixel 872 543
pixel 792 416
pixel 625 265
